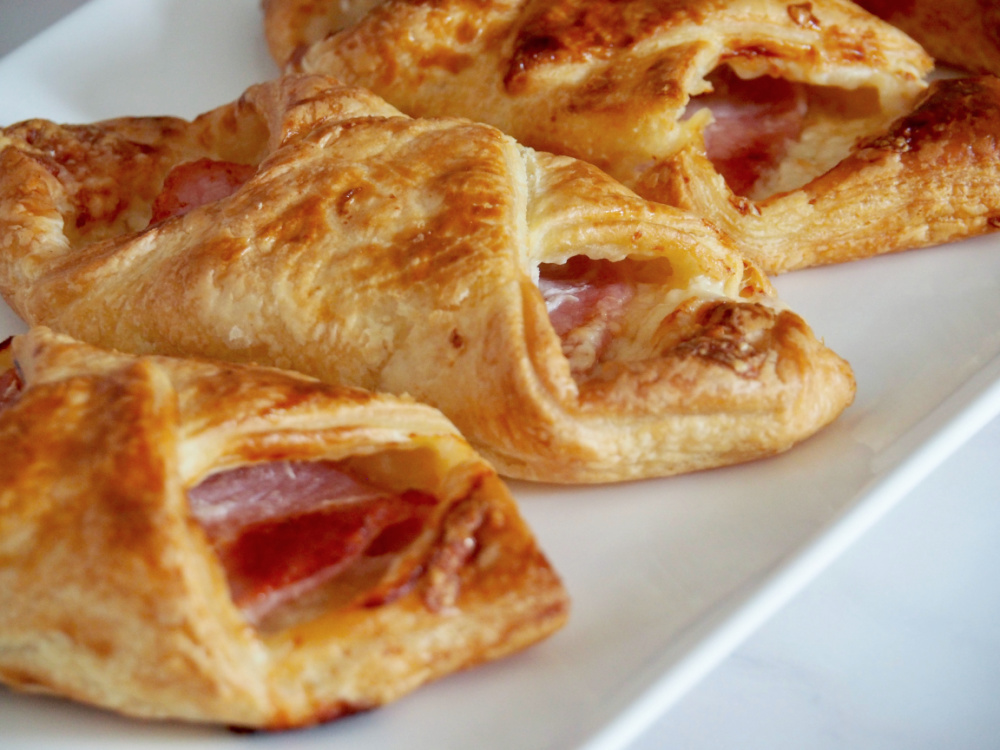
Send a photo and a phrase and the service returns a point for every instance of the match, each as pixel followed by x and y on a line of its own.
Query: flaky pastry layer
pixel 113 593
pixel 962 33
pixel 424 256
pixel 810 88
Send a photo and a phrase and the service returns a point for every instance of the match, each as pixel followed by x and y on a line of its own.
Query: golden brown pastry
pixel 963 33
pixel 572 331
pixel 748 112
pixel 221 543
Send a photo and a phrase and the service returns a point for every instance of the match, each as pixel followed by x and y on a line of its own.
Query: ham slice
pixel 284 528
pixel 754 121
pixel 196 183
pixel 584 299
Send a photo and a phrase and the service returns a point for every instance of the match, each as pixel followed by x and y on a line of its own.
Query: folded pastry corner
pixel 962 33
pixel 571 330
pixel 230 544
pixel 775 119
pixel 929 178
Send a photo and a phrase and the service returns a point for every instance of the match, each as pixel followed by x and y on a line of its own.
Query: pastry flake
pixel 230 544
pixel 572 331
pixel 748 112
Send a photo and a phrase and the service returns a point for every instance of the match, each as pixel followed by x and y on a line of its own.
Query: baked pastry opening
pixel 769 135
pixel 195 183
pixel 298 539
pixel 606 310
pixel 112 172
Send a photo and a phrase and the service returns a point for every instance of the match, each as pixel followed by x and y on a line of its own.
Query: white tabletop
pixel 896 645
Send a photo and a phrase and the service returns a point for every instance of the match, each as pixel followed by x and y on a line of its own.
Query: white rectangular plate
pixel 667 576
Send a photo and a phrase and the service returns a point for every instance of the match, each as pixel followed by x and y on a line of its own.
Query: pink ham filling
pixel 282 529
pixel 584 299
pixel 754 121
pixel 196 183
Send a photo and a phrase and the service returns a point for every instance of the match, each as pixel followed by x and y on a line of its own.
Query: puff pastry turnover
pixel 963 33
pixel 223 543
pixel 572 331
pixel 792 125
